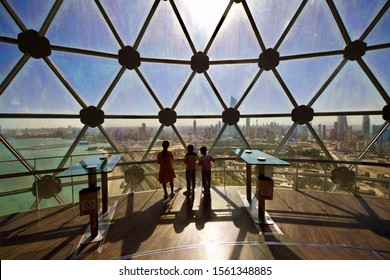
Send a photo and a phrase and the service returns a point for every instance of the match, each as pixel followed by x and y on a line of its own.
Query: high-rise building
pixel 324 131
pixel 233 101
pixel 335 130
pixel 248 125
pixel 142 132
pixel 194 124
pixel 319 130
pixel 366 127
pixel 342 128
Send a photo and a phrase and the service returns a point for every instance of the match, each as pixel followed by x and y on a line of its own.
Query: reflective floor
pixel 307 225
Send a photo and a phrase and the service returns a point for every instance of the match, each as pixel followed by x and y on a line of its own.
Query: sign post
pixel 88 197
pixel 264 191
pixel 89 204
pixel 264 185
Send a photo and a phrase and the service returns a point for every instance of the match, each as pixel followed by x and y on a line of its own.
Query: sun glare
pixel 206 14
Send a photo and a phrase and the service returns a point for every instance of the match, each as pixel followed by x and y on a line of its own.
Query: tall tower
pixel 366 127
pixel 324 131
pixel 194 123
pixel 248 125
pixel 233 102
pixel 142 132
pixel 319 129
pixel 342 127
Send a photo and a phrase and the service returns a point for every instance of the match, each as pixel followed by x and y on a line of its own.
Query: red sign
pixel 265 188
pixel 88 202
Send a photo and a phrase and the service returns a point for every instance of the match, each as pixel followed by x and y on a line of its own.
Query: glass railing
pixel 21 187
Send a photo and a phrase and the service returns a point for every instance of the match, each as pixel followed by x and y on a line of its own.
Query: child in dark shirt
pixel 190 160
pixel 205 161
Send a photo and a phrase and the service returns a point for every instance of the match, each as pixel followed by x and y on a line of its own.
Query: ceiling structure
pixel 101 64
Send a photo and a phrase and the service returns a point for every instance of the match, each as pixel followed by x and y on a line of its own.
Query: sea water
pixel 40 154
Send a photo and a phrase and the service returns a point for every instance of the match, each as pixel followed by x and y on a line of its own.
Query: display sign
pixel 265 188
pixel 89 201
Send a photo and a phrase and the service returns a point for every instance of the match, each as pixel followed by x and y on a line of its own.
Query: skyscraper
pixel 320 130
pixel 324 131
pixel 342 128
pixel 248 125
pixel 366 127
pixel 194 123
pixel 233 102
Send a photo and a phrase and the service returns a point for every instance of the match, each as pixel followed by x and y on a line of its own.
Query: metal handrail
pixel 125 163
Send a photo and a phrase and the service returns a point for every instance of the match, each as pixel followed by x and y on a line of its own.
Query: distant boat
pixel 84 142
pixel 92 148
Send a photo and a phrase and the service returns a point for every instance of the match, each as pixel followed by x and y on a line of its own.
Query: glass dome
pixel 282 76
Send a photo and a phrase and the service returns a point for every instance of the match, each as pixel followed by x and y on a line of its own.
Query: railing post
pixel 36 185
pixel 224 171
pixel 296 178
pixel 71 179
pixel 325 167
pixel 249 182
pixel 356 177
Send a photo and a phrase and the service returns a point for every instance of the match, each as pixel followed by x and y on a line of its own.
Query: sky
pixel 80 25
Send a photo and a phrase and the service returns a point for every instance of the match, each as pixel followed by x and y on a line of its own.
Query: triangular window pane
pixel 168 134
pixel 232 81
pixel 351 90
pixel 164 37
pixel 175 146
pixel 20 202
pixel 199 99
pixel 350 135
pixel 236 38
pixel 10 56
pixel 8 26
pixel 32 13
pixel 368 176
pixel 201 19
pixel 368 126
pixel 230 139
pixel 380 147
pixel 166 80
pixel 9 164
pixel 301 144
pixel 132 17
pixel 37 90
pixel 16 127
pixel 380 34
pixel 378 62
pixel 265 134
pixel 315 30
pixel 47 151
pixel 92 143
pixel 130 97
pixel 199 132
pixel 125 133
pixel 313 72
pixel 89 76
pixel 357 15
pixel 266 96
pixel 326 129
pixel 80 24
pixel 272 17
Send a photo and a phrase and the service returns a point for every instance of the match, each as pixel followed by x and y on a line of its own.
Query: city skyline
pixel 54 123
pixel 340 131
